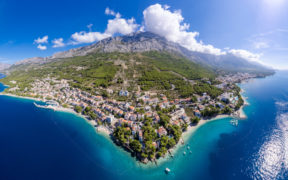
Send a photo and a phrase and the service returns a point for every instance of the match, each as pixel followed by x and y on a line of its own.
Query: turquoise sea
pixel 43 144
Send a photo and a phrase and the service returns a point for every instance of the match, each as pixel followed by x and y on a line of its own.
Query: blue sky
pixel 256 30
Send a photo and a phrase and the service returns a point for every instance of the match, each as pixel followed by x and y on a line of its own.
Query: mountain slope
pixel 4 66
pixel 158 71
pixel 146 41
pixel 228 63
pixel 135 42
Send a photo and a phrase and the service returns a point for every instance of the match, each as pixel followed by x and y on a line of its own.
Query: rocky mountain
pixel 135 42
pixel 34 60
pixel 228 63
pixel 4 66
pixel 147 41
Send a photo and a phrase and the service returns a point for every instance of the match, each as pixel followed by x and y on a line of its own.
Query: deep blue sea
pixel 43 144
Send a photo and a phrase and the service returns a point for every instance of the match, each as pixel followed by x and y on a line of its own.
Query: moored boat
pixel 234 122
pixel 167 170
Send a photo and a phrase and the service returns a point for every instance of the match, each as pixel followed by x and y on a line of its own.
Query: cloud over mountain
pixel 117 25
pixel 245 54
pixel 160 20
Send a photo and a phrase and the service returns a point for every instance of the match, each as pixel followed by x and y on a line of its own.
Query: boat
pixel 184 153
pixel 167 170
pixel 234 122
pixel 190 152
pixel 188 147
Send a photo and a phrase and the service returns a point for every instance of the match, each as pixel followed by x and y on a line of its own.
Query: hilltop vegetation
pixel 178 64
pixel 94 73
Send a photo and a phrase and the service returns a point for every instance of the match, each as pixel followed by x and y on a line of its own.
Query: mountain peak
pixel 134 42
pixel 4 66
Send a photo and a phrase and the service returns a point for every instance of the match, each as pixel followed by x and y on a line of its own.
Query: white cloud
pixel 58 43
pixel 88 37
pixel 122 26
pixel 117 25
pixel 108 11
pixel 260 45
pixel 41 47
pixel 166 6
pixel 42 40
pixel 245 54
pixel 160 20
pixel 141 29
pixel 89 26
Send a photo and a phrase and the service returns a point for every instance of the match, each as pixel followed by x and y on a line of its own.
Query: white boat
pixel 167 170
pixel 234 122
pixel 184 153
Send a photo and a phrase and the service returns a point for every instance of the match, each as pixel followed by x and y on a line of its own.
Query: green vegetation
pixel 152 78
pixel 209 89
pixel 149 133
pixel 164 119
pixel 136 146
pixel 195 120
pixel 175 131
pixel 240 99
pixel 210 111
pixel 227 110
pixel 154 70
pixel 239 103
pixel 122 134
pixel 88 111
pixel 78 109
pixel 148 148
pixel 178 64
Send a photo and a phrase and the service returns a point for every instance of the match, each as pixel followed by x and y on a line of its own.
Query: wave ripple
pixel 271 161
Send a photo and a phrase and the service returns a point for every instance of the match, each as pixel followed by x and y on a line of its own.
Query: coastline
pixel 191 129
pixel 189 133
pixel 23 97
pixel 105 132
pixel 100 129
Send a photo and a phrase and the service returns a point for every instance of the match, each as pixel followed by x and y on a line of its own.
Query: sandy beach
pixel 103 130
pixel 23 97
